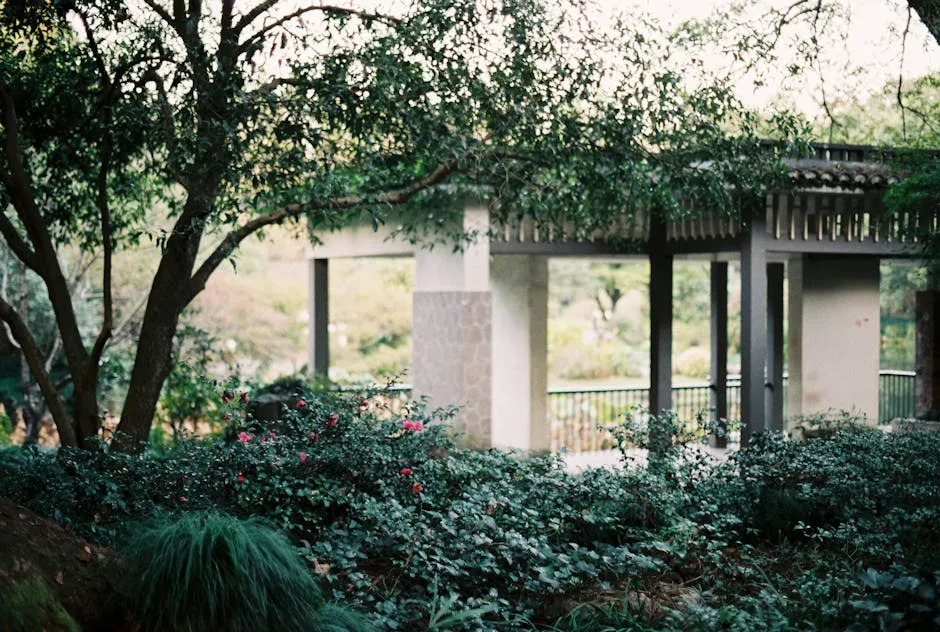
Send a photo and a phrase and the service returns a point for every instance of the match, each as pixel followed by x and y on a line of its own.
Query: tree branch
pixel 164 14
pixel 47 263
pixel 95 51
pixel 107 248
pixel 13 175
pixel 231 241
pixel 33 356
pixel 15 241
pixel 323 8
pixel 169 126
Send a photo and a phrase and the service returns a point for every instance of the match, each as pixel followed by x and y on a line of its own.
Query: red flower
pixel 416 488
pixel 227 418
pixel 363 405
pixel 303 457
pixel 301 403
pixel 182 499
pixel 240 479
pixel 417 426
pixel 273 436
pixel 244 437
pixel 334 419
pixel 406 471
pixel 244 397
pixel 313 436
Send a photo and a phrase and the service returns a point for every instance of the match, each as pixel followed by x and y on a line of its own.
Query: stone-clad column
pixel 452 328
pixel 834 335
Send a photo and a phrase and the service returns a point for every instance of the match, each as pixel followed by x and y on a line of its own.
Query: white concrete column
pixel 519 285
pixel 834 335
pixel 451 329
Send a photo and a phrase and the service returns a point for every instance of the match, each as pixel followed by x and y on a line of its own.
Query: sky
pixel 861 63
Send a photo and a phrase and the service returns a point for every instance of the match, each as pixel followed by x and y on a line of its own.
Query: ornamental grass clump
pixel 210 571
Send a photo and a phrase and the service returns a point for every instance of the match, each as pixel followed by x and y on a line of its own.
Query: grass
pixel 210 571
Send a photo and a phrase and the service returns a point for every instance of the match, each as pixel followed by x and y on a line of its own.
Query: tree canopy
pixel 234 118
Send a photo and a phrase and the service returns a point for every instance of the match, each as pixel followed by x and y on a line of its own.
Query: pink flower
pixel 301 403
pixel 240 479
pixel 244 437
pixel 182 499
pixel 227 418
pixel 416 488
pixel 313 436
pixel 406 471
pixel 363 405
pixel 417 426
pixel 303 457
pixel 273 435
pixel 334 419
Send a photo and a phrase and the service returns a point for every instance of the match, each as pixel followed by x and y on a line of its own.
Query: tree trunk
pixel 85 411
pixel 155 346
pixel 151 367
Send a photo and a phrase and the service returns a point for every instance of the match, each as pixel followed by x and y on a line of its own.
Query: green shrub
pixel 208 571
pixel 408 526
pixel 875 490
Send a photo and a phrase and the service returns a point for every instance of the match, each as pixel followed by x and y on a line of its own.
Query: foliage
pixel 233 121
pixel 207 571
pixel 398 519
pixel 190 396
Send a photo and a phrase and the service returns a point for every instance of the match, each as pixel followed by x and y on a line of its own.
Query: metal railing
pixel 581 418
pixel 895 395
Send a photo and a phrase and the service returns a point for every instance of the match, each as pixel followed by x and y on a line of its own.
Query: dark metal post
pixel 719 350
pixel 660 326
pixel 774 412
pixel 319 358
pixel 753 324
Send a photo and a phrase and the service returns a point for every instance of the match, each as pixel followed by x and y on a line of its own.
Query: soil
pixel 46 572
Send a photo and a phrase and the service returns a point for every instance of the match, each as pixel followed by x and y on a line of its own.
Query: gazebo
pixel 480 313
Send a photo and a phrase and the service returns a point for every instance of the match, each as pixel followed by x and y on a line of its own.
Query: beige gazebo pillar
pixel 834 335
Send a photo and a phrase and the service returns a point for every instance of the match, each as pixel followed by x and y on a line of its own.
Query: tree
pixel 239 118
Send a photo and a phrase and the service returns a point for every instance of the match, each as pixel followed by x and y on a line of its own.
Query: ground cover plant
pixel 393 518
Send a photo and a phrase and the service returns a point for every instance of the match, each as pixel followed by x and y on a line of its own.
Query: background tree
pixel 239 118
